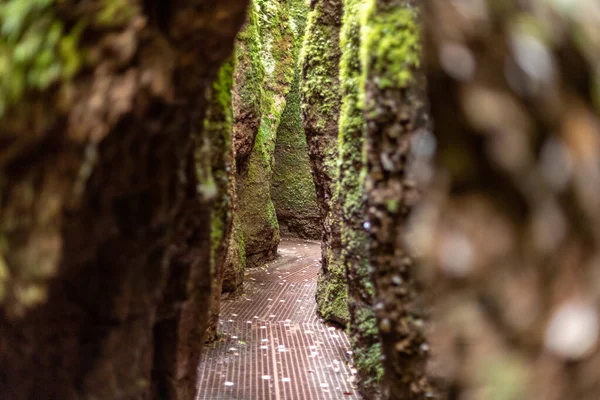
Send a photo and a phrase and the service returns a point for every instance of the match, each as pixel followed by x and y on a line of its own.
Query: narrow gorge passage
pixel 273 345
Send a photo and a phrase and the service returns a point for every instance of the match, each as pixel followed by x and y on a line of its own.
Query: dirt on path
pixel 274 346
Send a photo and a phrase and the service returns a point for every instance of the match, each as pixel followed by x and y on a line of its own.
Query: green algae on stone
pixel 249 71
pixel 235 261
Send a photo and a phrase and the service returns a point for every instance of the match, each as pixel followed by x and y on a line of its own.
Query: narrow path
pixel 274 346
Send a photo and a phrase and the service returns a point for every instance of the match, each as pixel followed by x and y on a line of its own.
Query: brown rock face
pixel 105 223
pixel 512 222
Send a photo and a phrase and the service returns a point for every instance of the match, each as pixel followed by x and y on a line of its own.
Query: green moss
pixel 217 130
pixel 293 187
pixel 236 257
pixel 238 236
pixel 391 44
pixel 267 47
pixel 363 331
pixel 351 144
pixel 332 292
pixel 276 33
pixel 319 57
pixel 366 347
pixel 250 70
pixel 255 207
pixel 115 13
pixel 35 49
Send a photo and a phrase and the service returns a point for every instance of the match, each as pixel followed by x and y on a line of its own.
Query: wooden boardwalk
pixel 274 347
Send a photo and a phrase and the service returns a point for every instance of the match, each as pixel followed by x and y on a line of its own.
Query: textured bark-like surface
pixel 217 133
pixel 394 113
pixel 320 113
pixel 271 24
pixel 362 329
pixel 510 232
pixel 293 189
pixel 105 216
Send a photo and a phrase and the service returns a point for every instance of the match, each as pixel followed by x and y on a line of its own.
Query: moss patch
pixel 391 45
pixel 36 50
pixel 319 57
pixel 217 128
pixel 367 348
pixel 332 292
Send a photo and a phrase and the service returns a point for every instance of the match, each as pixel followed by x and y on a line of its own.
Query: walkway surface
pixel 274 346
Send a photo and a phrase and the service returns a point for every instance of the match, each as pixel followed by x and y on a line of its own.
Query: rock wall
pixel 263 79
pixel 218 129
pixel 362 327
pixel 510 236
pixel 293 188
pixel 394 112
pixel 320 112
pixel 107 193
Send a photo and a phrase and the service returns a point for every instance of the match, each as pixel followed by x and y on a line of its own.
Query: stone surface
pixel 105 224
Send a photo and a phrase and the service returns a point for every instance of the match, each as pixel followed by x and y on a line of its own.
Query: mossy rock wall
pixel 218 146
pixel 320 100
pixel 362 329
pixel 110 216
pixel 293 188
pixel 394 114
pixel 265 73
